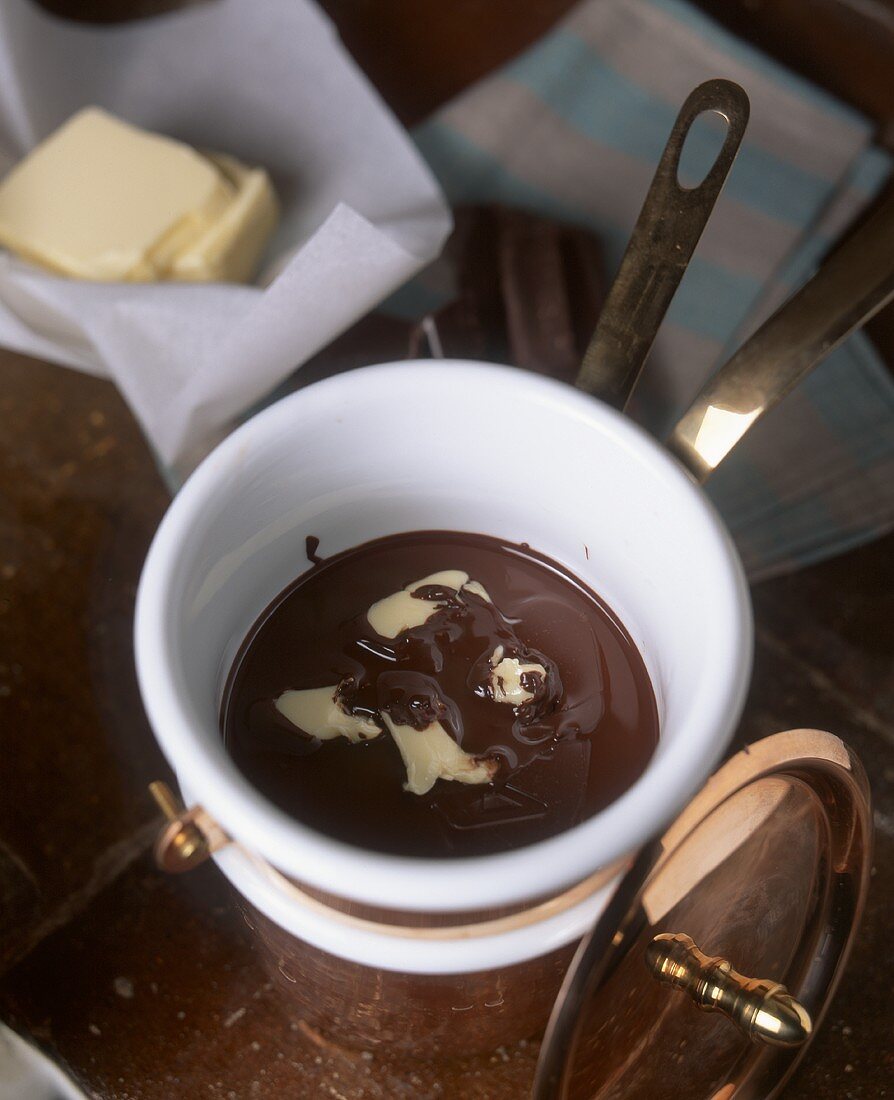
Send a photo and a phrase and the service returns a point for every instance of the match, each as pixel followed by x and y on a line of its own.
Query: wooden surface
pixel 147 987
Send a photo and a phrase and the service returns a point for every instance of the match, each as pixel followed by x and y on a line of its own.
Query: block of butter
pixel 101 199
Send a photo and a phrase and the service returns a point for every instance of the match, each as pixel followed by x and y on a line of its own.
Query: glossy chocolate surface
pixel 584 739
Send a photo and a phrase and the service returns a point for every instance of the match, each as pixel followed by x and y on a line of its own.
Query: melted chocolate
pixel 583 739
pixel 311 545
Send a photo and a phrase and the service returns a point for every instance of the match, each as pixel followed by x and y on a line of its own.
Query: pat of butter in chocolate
pixel 564 755
pixel 103 200
pixel 431 754
pixel 405 610
pixel 511 680
pixel 428 754
pixel 319 713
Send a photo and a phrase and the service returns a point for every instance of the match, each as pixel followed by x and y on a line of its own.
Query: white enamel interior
pixel 421 445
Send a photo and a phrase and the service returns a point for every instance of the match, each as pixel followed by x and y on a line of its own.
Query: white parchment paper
pixel 269 82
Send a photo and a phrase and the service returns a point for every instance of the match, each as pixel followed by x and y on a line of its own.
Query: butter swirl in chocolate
pixel 510 708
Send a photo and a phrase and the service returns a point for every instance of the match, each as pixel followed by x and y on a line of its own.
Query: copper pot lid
pixel 712 966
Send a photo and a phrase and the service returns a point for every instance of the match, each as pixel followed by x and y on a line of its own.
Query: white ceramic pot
pixel 434 445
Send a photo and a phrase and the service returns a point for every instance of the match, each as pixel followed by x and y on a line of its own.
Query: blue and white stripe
pixel 573 129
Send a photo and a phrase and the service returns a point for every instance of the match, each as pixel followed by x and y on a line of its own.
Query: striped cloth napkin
pixel 573 129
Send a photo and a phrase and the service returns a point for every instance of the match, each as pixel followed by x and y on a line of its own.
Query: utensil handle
pixel 850 287
pixel 666 233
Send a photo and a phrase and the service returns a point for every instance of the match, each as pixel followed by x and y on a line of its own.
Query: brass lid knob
pixel 765 1011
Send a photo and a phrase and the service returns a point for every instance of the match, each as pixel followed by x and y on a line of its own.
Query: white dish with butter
pixel 103 200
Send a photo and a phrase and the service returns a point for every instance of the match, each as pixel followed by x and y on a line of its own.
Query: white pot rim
pixel 437 884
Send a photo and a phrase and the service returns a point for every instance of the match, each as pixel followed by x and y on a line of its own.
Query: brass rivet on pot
pixel 190 835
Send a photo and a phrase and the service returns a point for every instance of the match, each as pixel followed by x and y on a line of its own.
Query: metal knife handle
pixel 851 286
pixel 669 227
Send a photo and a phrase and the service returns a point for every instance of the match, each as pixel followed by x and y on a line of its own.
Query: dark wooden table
pixel 146 987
